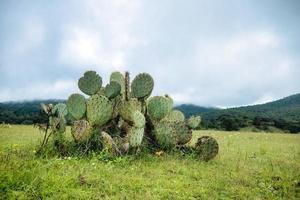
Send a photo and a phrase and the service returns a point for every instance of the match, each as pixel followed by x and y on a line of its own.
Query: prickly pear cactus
pixel 90 83
pixel 164 135
pixel 76 106
pixel 99 110
pixel 138 119
pixel 194 122
pixel 120 116
pixel 158 107
pixel 112 90
pixel 136 136
pixel 142 85
pixel 175 116
pixel 60 109
pixel 182 132
pixel 207 148
pixel 81 130
pixel 170 100
pixel 119 78
pixel 127 108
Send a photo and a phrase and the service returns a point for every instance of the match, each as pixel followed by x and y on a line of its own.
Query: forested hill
pixel 287 108
pixel 190 109
pixel 283 114
pixel 25 112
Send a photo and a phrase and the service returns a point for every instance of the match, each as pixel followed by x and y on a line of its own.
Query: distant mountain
pixel 288 108
pixel 190 109
pixel 23 112
pixel 283 113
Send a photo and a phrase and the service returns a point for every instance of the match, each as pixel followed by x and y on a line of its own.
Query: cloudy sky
pixel 207 52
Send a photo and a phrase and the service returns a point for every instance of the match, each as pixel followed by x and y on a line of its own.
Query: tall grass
pixel 249 166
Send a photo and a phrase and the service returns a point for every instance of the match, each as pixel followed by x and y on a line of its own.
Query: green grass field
pixel 249 166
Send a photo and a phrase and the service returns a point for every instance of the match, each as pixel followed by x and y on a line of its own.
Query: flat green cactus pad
pixel 90 83
pixel 164 135
pixel 142 85
pixel 168 134
pixel 138 119
pixel 193 122
pixel 76 106
pixel 112 90
pixel 127 108
pixel 182 132
pixel 175 116
pixel 158 107
pixel 135 136
pixel 60 109
pixel 99 110
pixel 119 78
pixel 170 100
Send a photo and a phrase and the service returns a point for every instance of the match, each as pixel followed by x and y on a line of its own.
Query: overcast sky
pixel 207 52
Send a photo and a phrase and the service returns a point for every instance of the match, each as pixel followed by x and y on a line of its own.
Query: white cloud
pixel 254 61
pixel 31 35
pixel 265 99
pixel 58 89
pixel 105 40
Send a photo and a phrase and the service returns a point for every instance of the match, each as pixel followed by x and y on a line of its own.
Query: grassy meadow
pixel 249 166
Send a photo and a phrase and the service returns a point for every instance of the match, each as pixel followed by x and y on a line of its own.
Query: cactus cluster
pixel 207 148
pixel 125 117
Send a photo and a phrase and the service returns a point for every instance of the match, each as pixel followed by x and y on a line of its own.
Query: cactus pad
pixel 99 110
pixel 112 90
pixel 76 106
pixel 138 119
pixel 60 109
pixel 142 85
pixel 158 107
pixel 81 130
pixel 117 101
pixel 170 100
pixel 136 136
pixel 127 108
pixel 168 134
pixel 207 148
pixel 193 122
pixel 175 116
pixel 182 132
pixel 164 135
pixel 90 83
pixel 119 78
